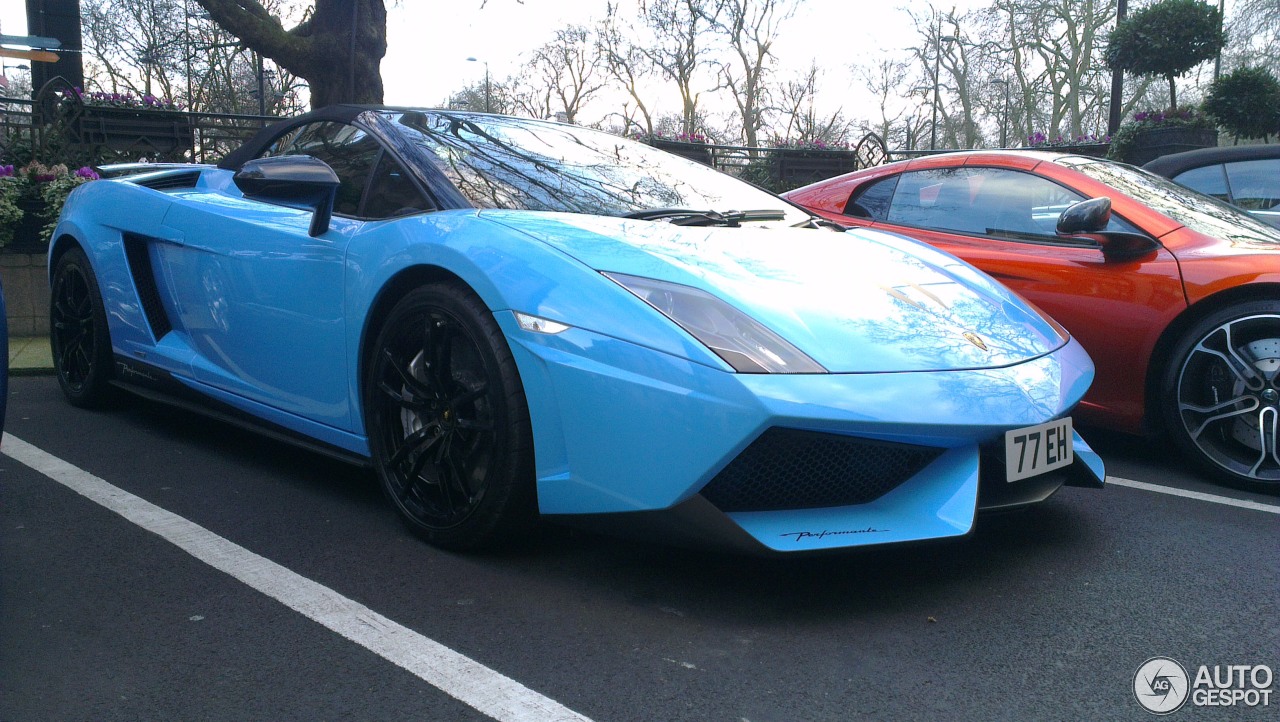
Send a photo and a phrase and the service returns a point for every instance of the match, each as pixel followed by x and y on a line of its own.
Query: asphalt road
pixel 248 580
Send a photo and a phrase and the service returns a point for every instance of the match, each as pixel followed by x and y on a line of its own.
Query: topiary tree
pixel 1246 102
pixel 1166 40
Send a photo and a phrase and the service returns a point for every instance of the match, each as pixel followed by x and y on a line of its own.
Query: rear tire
pixel 447 420
pixel 79 339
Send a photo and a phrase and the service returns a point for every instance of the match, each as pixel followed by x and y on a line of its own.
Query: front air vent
pixel 171 181
pixel 793 469
pixel 138 253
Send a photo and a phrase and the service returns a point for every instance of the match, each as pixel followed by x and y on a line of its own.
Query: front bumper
pixel 624 429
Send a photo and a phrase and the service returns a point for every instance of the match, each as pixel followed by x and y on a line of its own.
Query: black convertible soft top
pixel 252 148
pixel 1175 163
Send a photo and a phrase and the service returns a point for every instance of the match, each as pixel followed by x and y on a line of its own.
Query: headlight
pixel 740 340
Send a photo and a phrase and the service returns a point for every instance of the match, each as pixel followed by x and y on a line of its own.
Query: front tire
pixel 447 420
pixel 1221 395
pixel 79 339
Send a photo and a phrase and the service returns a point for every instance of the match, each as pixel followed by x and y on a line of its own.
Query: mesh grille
pixel 144 279
pixel 792 469
pixel 172 181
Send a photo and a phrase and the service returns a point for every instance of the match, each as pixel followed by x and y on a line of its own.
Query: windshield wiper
pixel 694 217
pixel 820 222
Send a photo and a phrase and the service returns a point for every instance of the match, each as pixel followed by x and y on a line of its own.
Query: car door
pixel 262 300
pixel 1003 221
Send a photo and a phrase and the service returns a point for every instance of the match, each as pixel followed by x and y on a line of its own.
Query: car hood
pixel 856 302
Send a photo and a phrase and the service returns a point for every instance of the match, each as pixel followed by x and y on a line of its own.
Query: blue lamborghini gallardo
pixel 509 318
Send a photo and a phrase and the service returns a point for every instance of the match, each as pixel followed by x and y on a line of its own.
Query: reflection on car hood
pixel 861 301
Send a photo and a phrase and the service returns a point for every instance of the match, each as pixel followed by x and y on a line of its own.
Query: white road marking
pixel 1201 496
pixel 462 678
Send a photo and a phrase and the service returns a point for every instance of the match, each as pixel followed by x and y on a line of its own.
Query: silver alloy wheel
pixel 1228 397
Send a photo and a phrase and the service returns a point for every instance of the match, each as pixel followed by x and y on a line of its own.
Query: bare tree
pixel 887 80
pixel 750 28
pixel 1065 36
pixel 1254 31
pixel 489 95
pixel 132 45
pixel 569 68
pixel 337 47
pixel 947 56
pixel 679 28
pixel 798 119
pixel 628 66
pixel 162 48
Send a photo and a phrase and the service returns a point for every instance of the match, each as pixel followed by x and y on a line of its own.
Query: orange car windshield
pixel 1192 209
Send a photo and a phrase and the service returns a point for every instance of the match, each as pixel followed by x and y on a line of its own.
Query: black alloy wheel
pixel 1222 400
pixel 79 339
pixel 447 420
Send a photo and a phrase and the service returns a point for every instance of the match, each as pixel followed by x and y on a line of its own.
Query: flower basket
pixel 692 150
pixel 26 234
pixel 1152 143
pixel 131 132
pixel 792 168
pixel 1154 133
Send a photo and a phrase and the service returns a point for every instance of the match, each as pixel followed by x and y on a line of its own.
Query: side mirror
pixel 1121 246
pixel 1087 221
pixel 297 181
pixel 1091 216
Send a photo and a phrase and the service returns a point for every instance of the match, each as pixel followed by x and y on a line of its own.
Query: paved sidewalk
pixel 29 355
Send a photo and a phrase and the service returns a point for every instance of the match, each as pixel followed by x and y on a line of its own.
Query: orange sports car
pixel 1175 295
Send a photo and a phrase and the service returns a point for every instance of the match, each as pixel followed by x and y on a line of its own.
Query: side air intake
pixel 144 279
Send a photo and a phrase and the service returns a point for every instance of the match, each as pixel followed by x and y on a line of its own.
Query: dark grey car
pixel 1247 176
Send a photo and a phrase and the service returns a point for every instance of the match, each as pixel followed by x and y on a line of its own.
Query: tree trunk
pixel 1173 95
pixel 338 49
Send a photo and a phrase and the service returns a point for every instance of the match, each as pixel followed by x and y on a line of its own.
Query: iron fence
pixel 60 132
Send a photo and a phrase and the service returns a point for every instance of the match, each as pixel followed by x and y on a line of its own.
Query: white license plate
pixel 1033 450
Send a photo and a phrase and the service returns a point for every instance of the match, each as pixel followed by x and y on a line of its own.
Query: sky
pixel 425 62
pixel 429 41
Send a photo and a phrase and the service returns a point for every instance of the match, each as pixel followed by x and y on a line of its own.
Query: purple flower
pixel 6 171
pixel 87 173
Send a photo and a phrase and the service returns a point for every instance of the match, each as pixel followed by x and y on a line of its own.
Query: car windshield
pixel 1192 209
pixel 513 163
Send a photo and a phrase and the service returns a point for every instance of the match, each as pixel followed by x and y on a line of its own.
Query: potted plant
pixel 31 199
pixel 1246 102
pixel 12 188
pixel 1165 40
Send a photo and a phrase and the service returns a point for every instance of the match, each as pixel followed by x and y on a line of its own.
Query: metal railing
pixel 61 132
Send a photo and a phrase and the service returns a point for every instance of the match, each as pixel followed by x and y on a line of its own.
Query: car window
pixel 985 201
pixel 391 192
pixel 1208 179
pixel 349 151
pixel 873 200
pixel 1255 184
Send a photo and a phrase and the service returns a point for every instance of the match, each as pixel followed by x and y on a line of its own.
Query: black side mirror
pixel 297 181
pixel 1091 216
pixel 1087 221
pixel 1120 246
